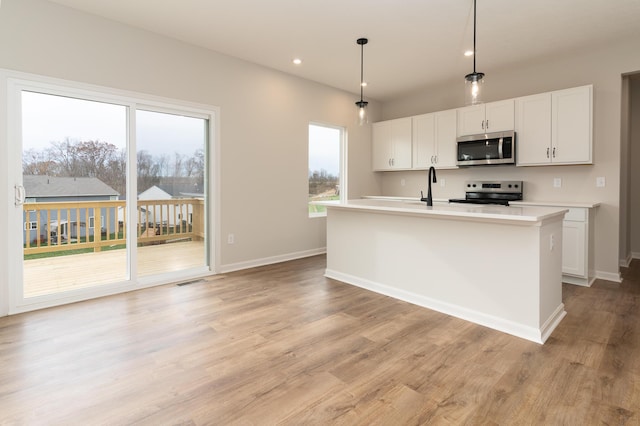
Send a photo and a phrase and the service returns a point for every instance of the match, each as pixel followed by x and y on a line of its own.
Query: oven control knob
pixel 509 185
pixel 516 185
pixel 474 185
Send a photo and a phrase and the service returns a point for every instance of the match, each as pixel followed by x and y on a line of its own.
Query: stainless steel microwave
pixel 487 149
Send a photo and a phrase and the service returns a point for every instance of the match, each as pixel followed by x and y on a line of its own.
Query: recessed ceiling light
pixel 297 61
pixel 468 53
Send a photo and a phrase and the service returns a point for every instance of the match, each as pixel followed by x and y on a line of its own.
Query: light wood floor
pixel 58 274
pixel 283 345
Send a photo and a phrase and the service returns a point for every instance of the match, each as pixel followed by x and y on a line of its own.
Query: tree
pixel 106 162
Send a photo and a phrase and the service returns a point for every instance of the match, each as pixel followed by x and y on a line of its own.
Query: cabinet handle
pixel 482 125
pixel 547 152
pixel 487 126
pixel 554 152
pixel 436 158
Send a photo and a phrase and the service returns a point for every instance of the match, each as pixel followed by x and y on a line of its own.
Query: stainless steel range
pixel 491 192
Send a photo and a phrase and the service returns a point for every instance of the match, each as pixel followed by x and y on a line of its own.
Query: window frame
pixel 15 82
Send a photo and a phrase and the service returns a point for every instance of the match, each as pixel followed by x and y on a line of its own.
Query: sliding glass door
pixel 171 202
pixel 111 193
pixel 74 179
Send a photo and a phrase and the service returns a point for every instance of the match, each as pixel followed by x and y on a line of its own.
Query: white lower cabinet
pixel 577 246
pixel 574 255
pixel 577 242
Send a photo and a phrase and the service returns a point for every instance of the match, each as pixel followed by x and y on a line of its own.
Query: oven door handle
pixel 500 155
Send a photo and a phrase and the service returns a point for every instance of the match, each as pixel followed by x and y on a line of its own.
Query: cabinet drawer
pixel 576 215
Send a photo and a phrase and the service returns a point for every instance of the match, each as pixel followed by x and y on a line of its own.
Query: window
pixel 325 164
pixel 30 225
pixel 92 221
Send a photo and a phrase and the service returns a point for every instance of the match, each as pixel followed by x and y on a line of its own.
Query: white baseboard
pixel 609 276
pixel 270 260
pixel 584 282
pixel 626 262
pixel 519 330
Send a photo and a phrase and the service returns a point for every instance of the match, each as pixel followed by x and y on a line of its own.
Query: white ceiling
pixel 412 43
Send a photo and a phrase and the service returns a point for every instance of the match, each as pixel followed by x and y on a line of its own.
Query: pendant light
pixel 473 82
pixel 362 104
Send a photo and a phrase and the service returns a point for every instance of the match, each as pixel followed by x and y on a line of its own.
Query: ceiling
pixel 413 44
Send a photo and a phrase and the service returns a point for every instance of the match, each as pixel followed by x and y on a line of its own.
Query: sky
pixel 47 118
pixel 324 149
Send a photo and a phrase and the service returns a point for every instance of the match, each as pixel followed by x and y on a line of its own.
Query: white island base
pixel 495 266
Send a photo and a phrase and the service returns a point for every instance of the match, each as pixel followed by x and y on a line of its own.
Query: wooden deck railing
pixel 71 225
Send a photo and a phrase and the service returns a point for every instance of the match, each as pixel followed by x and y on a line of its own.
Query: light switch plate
pixel 601 182
pixel 557 182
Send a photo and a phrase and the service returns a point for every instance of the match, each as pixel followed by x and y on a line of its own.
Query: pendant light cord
pixel 361 71
pixel 474 36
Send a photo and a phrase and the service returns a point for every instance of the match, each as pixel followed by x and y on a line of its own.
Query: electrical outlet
pixel 231 239
pixel 443 182
pixel 600 182
pixel 557 182
pixel 402 182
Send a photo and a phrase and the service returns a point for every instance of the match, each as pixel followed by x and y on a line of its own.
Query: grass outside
pixel 315 209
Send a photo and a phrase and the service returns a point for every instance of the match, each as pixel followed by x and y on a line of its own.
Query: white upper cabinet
pixel 571 125
pixel 533 129
pixel 434 140
pixel 392 144
pixel 554 128
pixel 486 118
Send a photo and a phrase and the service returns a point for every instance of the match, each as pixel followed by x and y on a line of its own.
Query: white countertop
pixel 586 205
pixel 570 204
pixel 525 215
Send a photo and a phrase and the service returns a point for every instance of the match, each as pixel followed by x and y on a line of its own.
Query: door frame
pixel 11 85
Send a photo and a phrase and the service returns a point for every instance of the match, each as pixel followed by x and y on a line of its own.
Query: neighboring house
pixel 168 214
pixel 51 189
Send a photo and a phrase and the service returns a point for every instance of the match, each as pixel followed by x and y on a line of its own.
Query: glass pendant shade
pixel 473 84
pixel 363 117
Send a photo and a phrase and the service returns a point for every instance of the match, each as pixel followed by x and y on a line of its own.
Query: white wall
pixel 264 116
pixel 601 66
pixel 634 187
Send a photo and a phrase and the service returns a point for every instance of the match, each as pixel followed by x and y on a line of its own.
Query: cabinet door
pixel 471 120
pixel 424 143
pixel 571 141
pixel 533 129
pixel 499 116
pixel 401 136
pixel 574 248
pixel 382 145
pixel 445 139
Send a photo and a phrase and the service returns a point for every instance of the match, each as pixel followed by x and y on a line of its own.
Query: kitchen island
pixel 495 266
